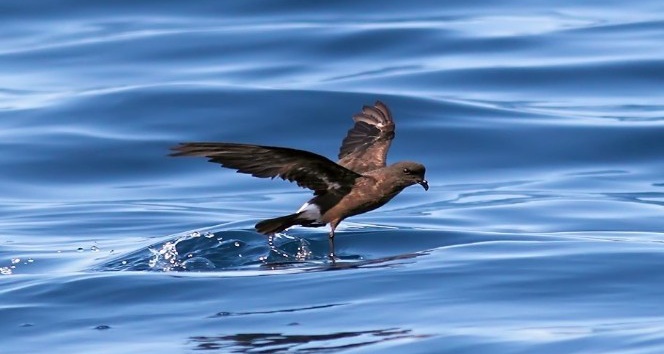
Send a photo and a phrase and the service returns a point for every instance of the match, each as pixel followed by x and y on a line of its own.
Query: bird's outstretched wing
pixel 307 169
pixel 366 144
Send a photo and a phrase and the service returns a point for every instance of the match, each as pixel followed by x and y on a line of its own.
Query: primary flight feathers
pixel 366 144
pixel 307 169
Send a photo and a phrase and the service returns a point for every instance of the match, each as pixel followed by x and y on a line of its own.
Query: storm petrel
pixel 359 182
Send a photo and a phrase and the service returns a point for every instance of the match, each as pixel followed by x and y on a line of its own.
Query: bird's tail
pixel 271 226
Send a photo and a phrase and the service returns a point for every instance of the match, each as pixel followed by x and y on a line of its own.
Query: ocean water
pixel 541 125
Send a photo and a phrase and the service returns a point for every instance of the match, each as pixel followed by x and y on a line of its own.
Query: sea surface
pixel 541 125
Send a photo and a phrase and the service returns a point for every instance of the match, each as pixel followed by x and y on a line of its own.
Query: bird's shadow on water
pixel 243 249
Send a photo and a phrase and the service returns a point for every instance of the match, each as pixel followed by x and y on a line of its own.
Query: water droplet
pixel 237 244
pixel 30 260
pixel 80 249
pixel 124 262
pixel 26 325
pixel 16 260
pixel 209 235
pixel 102 327
pixel 223 314
pixel 5 271
pixel 94 249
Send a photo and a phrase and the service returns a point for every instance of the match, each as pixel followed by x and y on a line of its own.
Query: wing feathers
pixel 376 115
pixel 366 144
pixel 384 110
pixel 307 169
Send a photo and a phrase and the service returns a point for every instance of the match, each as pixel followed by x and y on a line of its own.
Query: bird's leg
pixel 331 255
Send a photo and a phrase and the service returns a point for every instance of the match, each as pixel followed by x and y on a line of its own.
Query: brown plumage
pixel 366 144
pixel 358 183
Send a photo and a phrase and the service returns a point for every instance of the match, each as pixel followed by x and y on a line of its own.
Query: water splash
pixel 224 250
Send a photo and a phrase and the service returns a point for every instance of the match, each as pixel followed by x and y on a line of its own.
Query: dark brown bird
pixel 359 182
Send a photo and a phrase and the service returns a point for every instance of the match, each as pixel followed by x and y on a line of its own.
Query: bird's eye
pixel 406 171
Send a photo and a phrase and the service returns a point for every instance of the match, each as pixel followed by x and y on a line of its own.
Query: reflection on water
pixel 299 343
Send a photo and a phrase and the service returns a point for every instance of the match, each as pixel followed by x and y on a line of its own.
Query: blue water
pixel 541 126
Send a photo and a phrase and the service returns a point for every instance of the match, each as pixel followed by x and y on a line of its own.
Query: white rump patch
pixel 310 212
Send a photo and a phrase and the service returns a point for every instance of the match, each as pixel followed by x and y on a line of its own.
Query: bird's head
pixel 409 173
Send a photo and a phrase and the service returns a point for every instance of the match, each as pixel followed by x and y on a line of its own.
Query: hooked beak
pixel 424 184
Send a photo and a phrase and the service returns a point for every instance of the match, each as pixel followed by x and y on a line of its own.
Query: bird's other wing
pixel 366 144
pixel 307 169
